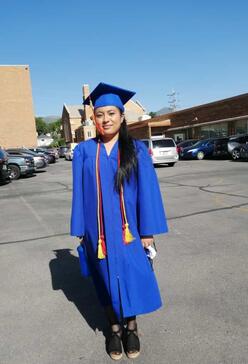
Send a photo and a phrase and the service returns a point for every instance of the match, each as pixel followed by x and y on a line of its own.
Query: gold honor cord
pixel 126 233
pixel 101 250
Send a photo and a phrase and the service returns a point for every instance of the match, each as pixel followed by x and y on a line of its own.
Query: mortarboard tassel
pixel 128 237
pixel 101 253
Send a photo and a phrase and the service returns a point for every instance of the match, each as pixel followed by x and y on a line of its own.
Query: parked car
pixel 44 155
pixel 62 150
pixel 220 147
pixel 244 151
pixel 200 150
pixel 53 151
pixel 210 148
pixel 69 153
pixel 185 144
pixel 234 144
pixel 20 165
pixel 50 156
pixel 4 170
pixel 39 160
pixel 162 150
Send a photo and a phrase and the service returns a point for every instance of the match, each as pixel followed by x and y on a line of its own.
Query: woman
pixel 116 210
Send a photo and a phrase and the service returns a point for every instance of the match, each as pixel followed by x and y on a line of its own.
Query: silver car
pixel 162 150
pixel 39 160
pixel 235 143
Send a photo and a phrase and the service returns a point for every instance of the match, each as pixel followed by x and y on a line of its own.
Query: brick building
pixel 216 119
pixel 17 121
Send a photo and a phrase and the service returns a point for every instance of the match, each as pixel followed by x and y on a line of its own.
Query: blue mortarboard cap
pixel 109 95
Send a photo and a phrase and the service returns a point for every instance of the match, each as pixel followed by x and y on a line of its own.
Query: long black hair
pixel 128 157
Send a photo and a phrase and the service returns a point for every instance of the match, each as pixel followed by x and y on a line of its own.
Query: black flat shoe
pixel 132 343
pixel 114 346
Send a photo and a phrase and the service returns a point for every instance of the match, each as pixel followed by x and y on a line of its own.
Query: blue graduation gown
pixel 124 279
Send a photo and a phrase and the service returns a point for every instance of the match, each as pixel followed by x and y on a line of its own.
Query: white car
pixel 162 150
pixel 69 155
pixel 69 152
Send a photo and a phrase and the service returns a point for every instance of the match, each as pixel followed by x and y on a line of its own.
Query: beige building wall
pixel 133 111
pixel 71 120
pixel 17 122
pixel 85 132
pixel 75 123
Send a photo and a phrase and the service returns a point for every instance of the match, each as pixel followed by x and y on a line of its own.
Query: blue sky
pixel 199 48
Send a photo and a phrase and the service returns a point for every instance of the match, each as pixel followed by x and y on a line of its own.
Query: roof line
pixel 199 106
pixel 137 102
pixel 65 106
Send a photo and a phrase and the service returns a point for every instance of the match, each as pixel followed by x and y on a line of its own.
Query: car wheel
pixel 235 154
pixel 15 172
pixel 200 155
pixel 171 164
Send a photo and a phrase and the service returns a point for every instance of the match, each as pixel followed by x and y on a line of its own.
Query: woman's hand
pixel 81 238
pixel 147 240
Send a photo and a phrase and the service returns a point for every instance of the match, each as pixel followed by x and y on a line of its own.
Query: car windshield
pixel 201 142
pixel 163 143
pixel 13 152
pixel 29 152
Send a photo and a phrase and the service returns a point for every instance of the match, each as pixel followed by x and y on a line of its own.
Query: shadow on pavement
pixel 66 276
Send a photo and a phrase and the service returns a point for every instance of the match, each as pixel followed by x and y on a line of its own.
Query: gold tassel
pixel 100 250
pixel 128 237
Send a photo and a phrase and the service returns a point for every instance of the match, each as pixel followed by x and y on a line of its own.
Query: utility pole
pixel 173 100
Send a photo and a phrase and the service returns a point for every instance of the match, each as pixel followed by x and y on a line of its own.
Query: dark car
pixel 62 151
pixel 53 151
pixel 207 148
pixel 234 144
pixel 203 148
pixel 185 144
pixel 20 165
pixel 50 156
pixel 4 170
pixel 244 151
pixel 221 148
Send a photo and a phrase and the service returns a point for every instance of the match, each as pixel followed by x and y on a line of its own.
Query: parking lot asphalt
pixel 50 315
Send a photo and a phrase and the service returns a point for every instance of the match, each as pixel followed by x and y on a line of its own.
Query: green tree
pixel 55 127
pixel 41 126
pixel 58 142
pixel 152 114
pixel 55 131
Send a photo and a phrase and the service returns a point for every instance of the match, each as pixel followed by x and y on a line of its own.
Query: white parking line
pixel 36 215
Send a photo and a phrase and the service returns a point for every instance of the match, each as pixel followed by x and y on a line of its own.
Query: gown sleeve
pixel 150 211
pixel 77 210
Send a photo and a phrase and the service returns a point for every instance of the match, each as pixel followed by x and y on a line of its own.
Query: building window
pixel 214 131
pixel 89 133
pixel 241 127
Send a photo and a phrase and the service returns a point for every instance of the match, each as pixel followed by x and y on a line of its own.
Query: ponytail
pixel 128 157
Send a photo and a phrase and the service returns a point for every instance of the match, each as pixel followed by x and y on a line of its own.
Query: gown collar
pixel 113 151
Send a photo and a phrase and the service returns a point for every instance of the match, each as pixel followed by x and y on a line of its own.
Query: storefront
pixel 241 126
pixel 214 120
